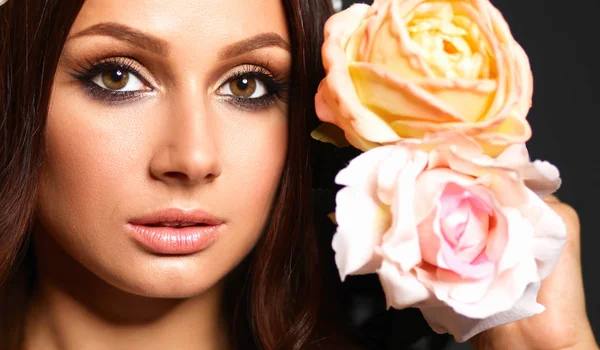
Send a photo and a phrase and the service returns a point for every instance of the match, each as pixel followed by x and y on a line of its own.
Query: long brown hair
pixel 278 292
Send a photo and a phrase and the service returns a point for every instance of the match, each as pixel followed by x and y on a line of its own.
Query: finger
pixel 552 199
pixel 572 223
pixel 566 280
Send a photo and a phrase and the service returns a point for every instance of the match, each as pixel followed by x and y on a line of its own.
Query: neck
pixel 74 309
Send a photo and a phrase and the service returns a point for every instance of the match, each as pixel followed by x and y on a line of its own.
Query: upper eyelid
pixel 88 73
pixel 142 73
pixel 249 68
pixel 257 76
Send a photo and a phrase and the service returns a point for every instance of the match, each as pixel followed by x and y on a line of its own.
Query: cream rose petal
pixel 519 244
pixel 401 242
pixel 401 290
pixel 388 173
pixel 507 287
pixel 336 101
pixel 361 223
pixel 445 320
pixel 363 169
pixel 486 297
pixel 397 96
pixel 453 291
pixel 550 234
pixel 541 177
pixel 361 219
pixel 429 187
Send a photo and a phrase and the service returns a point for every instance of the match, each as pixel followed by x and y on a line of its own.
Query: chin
pixel 174 291
pixel 169 277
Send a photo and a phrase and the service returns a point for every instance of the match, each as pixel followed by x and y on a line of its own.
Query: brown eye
pixel 243 87
pixel 116 79
pixel 246 87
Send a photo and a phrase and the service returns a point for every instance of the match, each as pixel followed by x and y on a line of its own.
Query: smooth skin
pixel 180 133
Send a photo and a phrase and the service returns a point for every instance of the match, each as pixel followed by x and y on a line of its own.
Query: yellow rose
pixel 409 68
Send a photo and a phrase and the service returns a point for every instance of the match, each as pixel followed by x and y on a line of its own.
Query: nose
pixel 189 152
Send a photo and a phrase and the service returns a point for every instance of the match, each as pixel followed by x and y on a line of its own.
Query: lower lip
pixel 175 241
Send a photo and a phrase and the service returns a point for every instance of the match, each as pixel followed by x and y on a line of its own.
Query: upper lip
pixel 175 217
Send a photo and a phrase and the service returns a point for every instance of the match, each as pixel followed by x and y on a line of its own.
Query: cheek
pixel 254 157
pixel 89 167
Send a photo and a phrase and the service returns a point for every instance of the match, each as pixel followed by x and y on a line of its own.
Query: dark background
pixel 562 39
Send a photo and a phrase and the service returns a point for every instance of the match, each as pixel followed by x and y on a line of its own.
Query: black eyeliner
pixel 277 88
pixel 86 75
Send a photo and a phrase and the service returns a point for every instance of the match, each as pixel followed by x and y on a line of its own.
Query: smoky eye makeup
pixel 114 80
pixel 253 87
pixel 120 80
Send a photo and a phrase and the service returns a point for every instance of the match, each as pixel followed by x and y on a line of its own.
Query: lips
pixel 177 224
pixel 174 216
pixel 175 231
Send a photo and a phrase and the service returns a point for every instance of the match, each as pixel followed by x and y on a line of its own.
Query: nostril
pixel 185 177
pixel 176 175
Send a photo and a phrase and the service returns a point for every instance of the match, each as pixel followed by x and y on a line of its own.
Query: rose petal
pixel 542 177
pixel 507 186
pixel 431 240
pixel 362 223
pixel 330 133
pixel 506 289
pixel 430 185
pixel 519 242
pixel 498 134
pixel 515 156
pixel 478 269
pixel 445 320
pixel 550 234
pixel 462 293
pixel 341 106
pixel 401 242
pixel 470 98
pixel 401 290
pixel 395 98
pixel 389 170
pixel 498 234
pixel 362 170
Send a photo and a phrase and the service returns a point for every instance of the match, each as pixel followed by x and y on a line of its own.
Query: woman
pixel 174 119
pixel 154 182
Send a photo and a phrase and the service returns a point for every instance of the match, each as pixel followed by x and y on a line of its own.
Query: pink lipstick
pixel 175 231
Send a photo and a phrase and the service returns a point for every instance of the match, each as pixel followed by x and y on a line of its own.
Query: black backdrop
pixel 561 39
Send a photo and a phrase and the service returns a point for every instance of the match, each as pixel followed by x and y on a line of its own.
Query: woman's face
pixel 166 140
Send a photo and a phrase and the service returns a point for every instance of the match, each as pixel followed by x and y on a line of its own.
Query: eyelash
pixel 277 88
pixel 87 73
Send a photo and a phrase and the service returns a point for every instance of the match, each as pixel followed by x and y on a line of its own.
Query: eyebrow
pixel 160 47
pixel 256 42
pixel 128 34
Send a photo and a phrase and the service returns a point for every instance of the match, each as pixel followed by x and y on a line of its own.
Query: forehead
pixel 207 24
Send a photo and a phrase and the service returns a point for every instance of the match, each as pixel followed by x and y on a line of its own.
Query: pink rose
pixel 450 230
pixel 410 68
